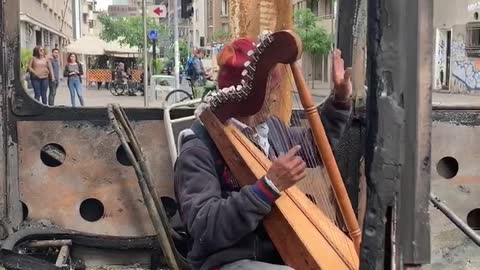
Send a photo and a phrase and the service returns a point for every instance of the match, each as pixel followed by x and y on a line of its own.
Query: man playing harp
pixel 224 219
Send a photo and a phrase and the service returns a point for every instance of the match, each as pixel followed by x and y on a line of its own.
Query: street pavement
pixel 102 97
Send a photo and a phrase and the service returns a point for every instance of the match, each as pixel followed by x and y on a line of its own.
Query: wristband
pixel 271 185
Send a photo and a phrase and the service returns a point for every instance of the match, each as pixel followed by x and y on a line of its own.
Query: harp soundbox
pixel 304 235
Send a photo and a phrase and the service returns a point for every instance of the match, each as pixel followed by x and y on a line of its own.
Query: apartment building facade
pixel 185 26
pixel 48 23
pixel 457 46
pixel 317 67
pixel 210 22
pixel 127 8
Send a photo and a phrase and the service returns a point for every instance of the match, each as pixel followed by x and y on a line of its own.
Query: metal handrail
pixel 455 219
pixel 168 122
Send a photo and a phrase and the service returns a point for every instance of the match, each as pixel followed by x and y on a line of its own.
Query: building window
pixel 472 44
pixel 91 24
pixel 224 10
pixel 313 6
pixel 225 27
pixel 325 9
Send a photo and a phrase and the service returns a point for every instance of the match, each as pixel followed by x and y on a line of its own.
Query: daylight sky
pixel 103 4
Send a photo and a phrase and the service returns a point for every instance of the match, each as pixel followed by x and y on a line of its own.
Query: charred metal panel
pixel 92 169
pixel 456 181
pixel 346 15
pixel 89 149
pixel 396 229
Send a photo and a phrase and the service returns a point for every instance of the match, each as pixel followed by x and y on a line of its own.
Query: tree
pixel 129 31
pixel 221 36
pixel 315 38
pixel 184 53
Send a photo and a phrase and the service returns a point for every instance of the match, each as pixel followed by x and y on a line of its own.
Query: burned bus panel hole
pixel 52 155
pixel 91 210
pixel 24 210
pixel 447 167
pixel 170 206
pixel 122 156
pixel 473 219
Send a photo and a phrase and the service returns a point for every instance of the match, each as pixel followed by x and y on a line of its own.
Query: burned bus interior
pixel 69 191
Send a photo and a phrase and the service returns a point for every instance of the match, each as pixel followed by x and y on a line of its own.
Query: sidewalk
pixel 102 97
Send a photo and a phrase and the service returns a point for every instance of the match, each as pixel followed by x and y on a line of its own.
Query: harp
pixel 305 233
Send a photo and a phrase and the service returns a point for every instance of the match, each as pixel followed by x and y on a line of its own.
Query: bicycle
pixel 180 95
pixel 120 89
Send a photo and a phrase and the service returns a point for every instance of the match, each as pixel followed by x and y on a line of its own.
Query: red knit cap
pixel 231 61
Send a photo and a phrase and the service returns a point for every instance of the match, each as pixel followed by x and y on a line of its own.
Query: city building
pixel 122 11
pixel 457 46
pixel 317 67
pixel 85 19
pixel 48 23
pixel 185 26
pixel 210 22
pixel 120 2
pixel 199 23
pixel 127 8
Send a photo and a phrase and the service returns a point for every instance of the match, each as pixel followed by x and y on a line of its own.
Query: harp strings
pixel 317 185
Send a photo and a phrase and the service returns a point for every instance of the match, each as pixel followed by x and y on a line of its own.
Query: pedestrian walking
pixel 74 71
pixel 55 63
pixel 40 74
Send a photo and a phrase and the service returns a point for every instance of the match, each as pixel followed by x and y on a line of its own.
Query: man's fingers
pixel 348 74
pixel 300 176
pixel 293 151
pixel 300 168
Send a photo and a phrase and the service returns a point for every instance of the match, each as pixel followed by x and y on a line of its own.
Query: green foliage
pixel 157 65
pixel 129 31
pixel 315 38
pixel 25 57
pixel 221 36
pixel 184 54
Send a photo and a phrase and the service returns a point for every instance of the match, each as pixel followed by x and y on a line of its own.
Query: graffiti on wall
pixel 440 59
pixel 465 73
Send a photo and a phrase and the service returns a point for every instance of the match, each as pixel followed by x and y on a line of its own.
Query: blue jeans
pixel 40 88
pixel 75 87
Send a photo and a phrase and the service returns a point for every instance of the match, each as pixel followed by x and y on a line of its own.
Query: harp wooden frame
pixel 304 236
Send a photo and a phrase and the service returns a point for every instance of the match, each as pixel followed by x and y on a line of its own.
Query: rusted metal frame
pixel 455 219
pixel 63 255
pixel 346 15
pixel 136 149
pixel 80 239
pixel 3 116
pixel 49 243
pixel 417 45
pixel 11 69
pixel 162 232
pixel 398 140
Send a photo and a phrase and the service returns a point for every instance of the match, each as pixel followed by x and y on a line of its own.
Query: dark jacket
pixel 80 71
pixel 198 70
pixel 225 226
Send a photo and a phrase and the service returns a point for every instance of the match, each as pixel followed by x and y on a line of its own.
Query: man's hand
pixel 287 170
pixel 341 78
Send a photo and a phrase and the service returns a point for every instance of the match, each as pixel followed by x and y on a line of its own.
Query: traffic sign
pixel 153 34
pixel 157 11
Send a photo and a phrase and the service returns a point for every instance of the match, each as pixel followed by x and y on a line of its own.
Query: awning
pixel 88 45
pixel 114 48
pixel 93 45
